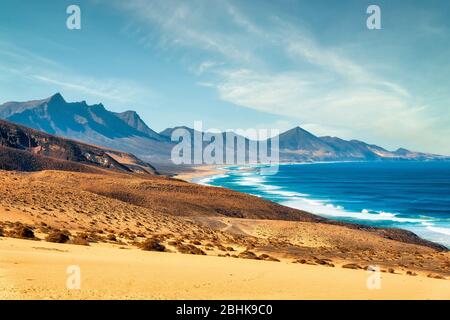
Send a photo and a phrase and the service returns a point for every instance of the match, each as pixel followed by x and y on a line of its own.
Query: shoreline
pixel 220 254
pixel 200 172
pixel 211 171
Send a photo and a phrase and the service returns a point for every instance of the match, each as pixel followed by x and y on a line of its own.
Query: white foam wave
pixel 445 231
pixel 207 180
pixel 422 226
pixel 320 208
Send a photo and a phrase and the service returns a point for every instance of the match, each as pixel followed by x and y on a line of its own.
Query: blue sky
pixel 242 64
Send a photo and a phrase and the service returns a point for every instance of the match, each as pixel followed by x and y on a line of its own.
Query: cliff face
pixel 37 146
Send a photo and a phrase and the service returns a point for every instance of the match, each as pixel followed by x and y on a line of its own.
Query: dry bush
pixel 111 237
pixel 80 240
pixel 248 255
pixel 88 237
pixel 152 244
pixel 22 232
pixel 189 249
pixel 58 236
pixel 220 247
pixel 268 258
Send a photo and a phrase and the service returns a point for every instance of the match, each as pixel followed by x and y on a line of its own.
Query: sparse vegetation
pixel 152 244
pixel 79 240
pixel 248 255
pixel 266 257
pixel 58 236
pixel 22 232
pixel 189 249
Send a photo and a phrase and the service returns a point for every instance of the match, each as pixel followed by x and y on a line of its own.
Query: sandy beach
pixel 199 172
pixel 37 270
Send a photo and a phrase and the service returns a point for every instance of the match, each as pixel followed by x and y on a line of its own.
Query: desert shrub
pixel 189 249
pixel 58 236
pixel 22 232
pixel 248 255
pixel 88 237
pixel 111 237
pixel 80 240
pixel 152 244
pixel 220 247
pixel 268 258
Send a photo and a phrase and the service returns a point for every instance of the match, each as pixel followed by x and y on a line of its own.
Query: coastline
pixel 198 172
pixel 305 259
pixel 308 207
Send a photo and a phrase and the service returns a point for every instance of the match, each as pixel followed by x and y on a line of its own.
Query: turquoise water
pixel 409 195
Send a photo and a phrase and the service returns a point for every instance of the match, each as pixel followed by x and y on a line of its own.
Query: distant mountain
pixel 297 145
pixel 25 149
pixel 92 124
pixel 300 145
pixel 132 119
pixel 128 132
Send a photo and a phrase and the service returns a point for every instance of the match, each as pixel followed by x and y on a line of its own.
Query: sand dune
pixel 38 271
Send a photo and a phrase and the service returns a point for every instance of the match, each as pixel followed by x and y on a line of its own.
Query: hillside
pixel 26 149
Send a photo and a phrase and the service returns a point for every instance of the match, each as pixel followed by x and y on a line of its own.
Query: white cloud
pixel 27 65
pixel 324 87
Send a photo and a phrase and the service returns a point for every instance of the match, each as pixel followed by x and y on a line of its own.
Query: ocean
pixel 408 195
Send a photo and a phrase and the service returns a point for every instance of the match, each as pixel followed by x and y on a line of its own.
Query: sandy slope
pixel 36 270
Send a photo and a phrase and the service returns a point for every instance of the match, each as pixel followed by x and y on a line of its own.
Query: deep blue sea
pixel 408 195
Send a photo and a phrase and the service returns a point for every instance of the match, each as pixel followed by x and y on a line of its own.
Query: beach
pixel 37 270
pixel 199 172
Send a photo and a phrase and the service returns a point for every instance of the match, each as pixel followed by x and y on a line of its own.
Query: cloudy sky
pixel 242 64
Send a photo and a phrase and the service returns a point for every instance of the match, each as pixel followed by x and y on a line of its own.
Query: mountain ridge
pixel 26 149
pixel 127 131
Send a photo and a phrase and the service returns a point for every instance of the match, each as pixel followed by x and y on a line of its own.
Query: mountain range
pixel 25 149
pixel 126 131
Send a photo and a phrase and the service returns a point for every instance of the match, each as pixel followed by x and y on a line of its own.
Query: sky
pixel 242 64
